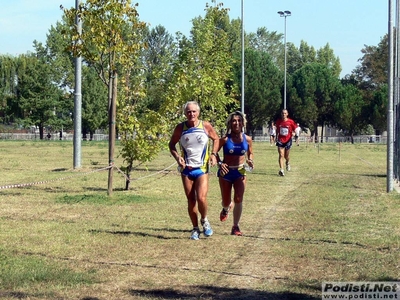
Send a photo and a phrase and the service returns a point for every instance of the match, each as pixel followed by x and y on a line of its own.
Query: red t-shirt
pixel 285 129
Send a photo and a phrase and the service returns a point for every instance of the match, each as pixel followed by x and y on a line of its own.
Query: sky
pixel 347 25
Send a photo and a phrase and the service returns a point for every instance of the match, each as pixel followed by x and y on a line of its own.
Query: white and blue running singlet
pixel 194 145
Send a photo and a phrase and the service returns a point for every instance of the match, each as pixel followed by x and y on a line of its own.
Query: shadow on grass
pixel 283 239
pixel 218 293
pixel 380 175
pixel 16 295
pixel 142 234
pixel 59 170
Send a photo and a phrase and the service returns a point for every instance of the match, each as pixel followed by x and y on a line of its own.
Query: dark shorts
pixel 233 174
pixel 287 145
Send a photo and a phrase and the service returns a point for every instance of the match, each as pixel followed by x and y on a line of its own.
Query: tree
pixel 54 54
pixel 371 78
pixel 57 55
pixel 158 58
pixel 203 71
pixel 94 102
pixel 110 42
pixel 372 71
pixel 305 54
pixel 9 109
pixel 326 57
pixel 263 81
pixel 268 42
pixel 377 108
pixel 314 90
pixel 37 94
pixel 348 111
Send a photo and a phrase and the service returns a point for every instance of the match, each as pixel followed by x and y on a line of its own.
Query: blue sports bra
pixel 230 148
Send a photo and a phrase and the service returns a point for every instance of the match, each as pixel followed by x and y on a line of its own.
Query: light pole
pixel 242 15
pixel 78 98
pixel 284 14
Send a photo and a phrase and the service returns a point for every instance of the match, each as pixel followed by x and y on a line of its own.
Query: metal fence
pixel 257 138
pixel 52 137
pixel 333 139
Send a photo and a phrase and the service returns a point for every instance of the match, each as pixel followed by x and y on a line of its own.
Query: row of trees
pixel 158 72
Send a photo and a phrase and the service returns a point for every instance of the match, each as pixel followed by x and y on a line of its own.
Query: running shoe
pixel 207 230
pixel 223 216
pixel 195 235
pixel 281 173
pixel 236 231
pixel 287 167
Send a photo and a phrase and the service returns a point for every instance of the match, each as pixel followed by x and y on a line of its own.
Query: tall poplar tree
pixel 204 69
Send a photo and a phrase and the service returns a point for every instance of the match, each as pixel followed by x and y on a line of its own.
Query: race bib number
pixel 283 131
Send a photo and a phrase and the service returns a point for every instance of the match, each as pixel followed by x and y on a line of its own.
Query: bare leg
pixel 188 186
pixel 239 188
pixel 226 190
pixel 201 187
pixel 287 158
pixel 281 152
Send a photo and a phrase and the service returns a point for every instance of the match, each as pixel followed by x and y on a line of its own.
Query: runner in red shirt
pixel 285 129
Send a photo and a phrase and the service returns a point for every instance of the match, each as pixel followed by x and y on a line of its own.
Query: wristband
pixel 215 154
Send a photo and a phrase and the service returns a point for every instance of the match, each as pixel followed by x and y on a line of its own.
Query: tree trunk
pixel 316 132
pixel 322 132
pixel 41 132
pixel 128 175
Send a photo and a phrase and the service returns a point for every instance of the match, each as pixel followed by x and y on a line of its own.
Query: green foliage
pixel 373 71
pixel 378 108
pixel 158 59
pixel 9 109
pixel 368 130
pixel 203 71
pixel 37 94
pixel 111 41
pixel 306 54
pixel 58 56
pixel 110 35
pixel 142 134
pixel 268 42
pixel 314 90
pixel 263 81
pixel 61 70
pixel 94 101
pixel 326 56
pixel 371 78
pixel 348 110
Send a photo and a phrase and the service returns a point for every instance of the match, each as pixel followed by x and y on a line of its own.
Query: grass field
pixel 62 237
